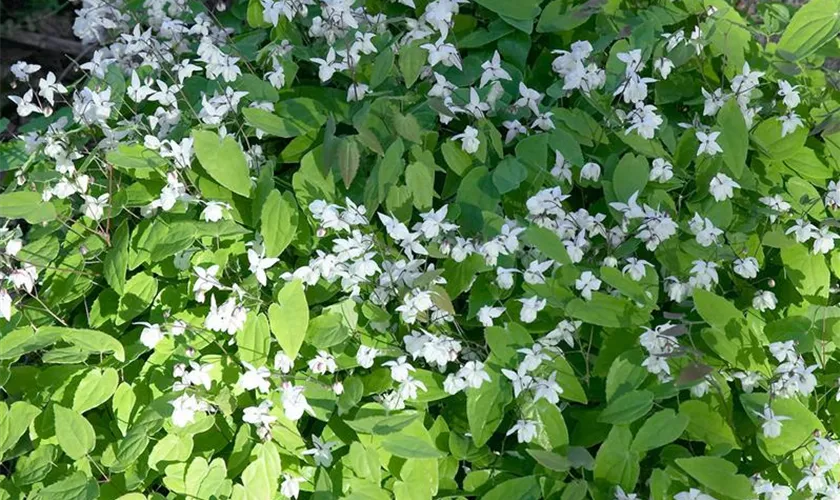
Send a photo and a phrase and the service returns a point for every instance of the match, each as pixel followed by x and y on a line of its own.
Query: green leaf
pixel 411 61
pixel 718 475
pixel 520 488
pixel 815 24
pixel 707 424
pixel 405 446
pixel 734 137
pixel 253 340
pixel 115 264
pixel 133 157
pixel 523 10
pixel 550 460
pixel 89 340
pixel 561 15
pixel 224 160
pixel 768 140
pixel 509 174
pixel 420 179
pixel 172 448
pixel 347 153
pixel 278 222
pixel 800 427
pixel 95 388
pixel 289 317
pixel 26 205
pixel 140 291
pixel 715 310
pixel 615 462
pixel 660 429
pixel 75 434
pixel 552 433
pixel 486 407
pixel 382 65
pixel 630 176
pixel 606 310
pixel 25 340
pixel 627 408
pixel 547 242
pixel 808 272
pixel 14 421
pixel 77 486
pixel 261 476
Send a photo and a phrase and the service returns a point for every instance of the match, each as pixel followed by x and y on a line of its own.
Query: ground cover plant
pixel 425 249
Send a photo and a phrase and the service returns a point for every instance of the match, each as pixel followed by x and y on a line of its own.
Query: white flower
pixel 789 93
pixel 366 355
pixel 705 231
pixel 283 362
pixel 693 494
pixel 474 374
pixel 708 143
pixel 469 140
pixel 664 66
pixel 749 380
pixel 526 430
pixel 661 171
pixel 94 208
pixel 13 246
pixel 205 281
pixel 790 122
pixel 230 317
pixel 519 378
pixel 529 98
pixel 764 300
pixel 454 384
pixel 586 284
pixel 184 410
pixel 591 172
pixel 721 187
pixel 534 274
pixel 486 314
pixel 357 92
pixel 534 356
pixel 444 53
pixel 746 267
pixel 214 211
pixel 328 67
pixel 323 363
pixel 504 277
pixel 255 378
pixel 493 70
pixel 322 451
pixel 530 307
pixel 636 268
pixel 772 425
pixel 5 304
pixel 547 389
pixel 258 264
pixel 824 240
pixel 408 388
pixel 294 402
pixel 290 488
pixel 258 415
pixel 714 101
pixel 24 278
pixel 151 335
pixel 802 230
pixel 703 274
pixel 21 70
pixel 400 369
pixel 199 375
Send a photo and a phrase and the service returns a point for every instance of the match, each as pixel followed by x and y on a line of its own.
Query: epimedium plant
pixel 425 249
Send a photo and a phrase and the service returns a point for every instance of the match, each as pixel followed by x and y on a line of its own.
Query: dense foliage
pixel 425 249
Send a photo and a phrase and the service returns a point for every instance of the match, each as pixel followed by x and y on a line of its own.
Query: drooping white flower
pixel 151 335
pixel 323 363
pixel 366 355
pixel 290 488
pixel 789 94
pixel 790 122
pixel 526 430
pixel 661 170
pixel 636 268
pixel 5 304
pixel 772 423
pixel 205 281
pixel 486 315
pixel 708 143
pixel 255 378
pixel 184 409
pixel 746 267
pixel 721 187
pixel 321 451
pixel 764 300
pixel 400 369
pixel 214 211
pixel 469 140
pixel 586 284
pixel 93 207
pixel 547 389
pixel 591 172
pixel 294 402
pixel 258 263
pixel 530 307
